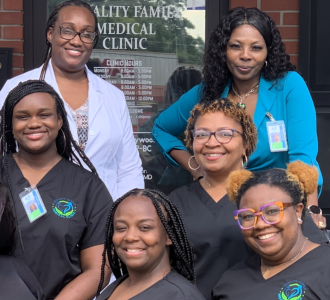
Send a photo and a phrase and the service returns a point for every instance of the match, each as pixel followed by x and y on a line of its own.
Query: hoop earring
pixel 194 169
pixel 244 161
pixel 266 63
pixel 64 142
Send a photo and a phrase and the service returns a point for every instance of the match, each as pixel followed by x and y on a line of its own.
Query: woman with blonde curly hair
pixel 222 136
pixel 272 206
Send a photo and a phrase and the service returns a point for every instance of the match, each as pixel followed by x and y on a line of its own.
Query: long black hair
pixel 7 223
pixel 66 146
pixel 181 254
pixel 216 72
pixel 51 22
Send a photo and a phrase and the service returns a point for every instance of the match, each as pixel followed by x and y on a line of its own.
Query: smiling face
pixel 71 55
pixel 214 157
pixel 273 242
pixel 36 123
pixel 139 237
pixel 246 53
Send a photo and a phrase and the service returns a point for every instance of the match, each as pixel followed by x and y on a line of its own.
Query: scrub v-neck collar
pixel 213 206
pixel 17 176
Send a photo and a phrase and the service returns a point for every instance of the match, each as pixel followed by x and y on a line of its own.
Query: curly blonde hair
pixel 298 181
pixel 230 109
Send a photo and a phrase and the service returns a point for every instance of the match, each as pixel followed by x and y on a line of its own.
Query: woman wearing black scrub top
pixel 16 279
pixel 148 250
pixel 222 137
pixel 271 208
pixel 63 247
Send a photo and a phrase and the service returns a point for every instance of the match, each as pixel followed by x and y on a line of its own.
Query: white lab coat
pixel 111 145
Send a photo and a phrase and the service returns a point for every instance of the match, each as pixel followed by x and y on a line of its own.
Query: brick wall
pixel 285 13
pixel 11 31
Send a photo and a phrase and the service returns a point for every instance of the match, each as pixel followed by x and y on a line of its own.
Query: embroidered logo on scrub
pixel 293 290
pixel 64 208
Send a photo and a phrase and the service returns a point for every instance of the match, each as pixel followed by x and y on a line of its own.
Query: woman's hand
pixel 318 219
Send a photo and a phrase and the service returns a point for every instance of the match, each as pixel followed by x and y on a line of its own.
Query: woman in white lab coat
pixel 97 111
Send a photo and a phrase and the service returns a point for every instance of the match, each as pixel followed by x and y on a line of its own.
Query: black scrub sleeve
pixel 97 208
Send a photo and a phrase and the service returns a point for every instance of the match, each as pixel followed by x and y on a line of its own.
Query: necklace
pixel 210 185
pixel 241 104
pixel 292 259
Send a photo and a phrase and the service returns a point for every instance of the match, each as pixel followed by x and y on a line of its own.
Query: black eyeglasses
pixel 223 136
pixel 86 37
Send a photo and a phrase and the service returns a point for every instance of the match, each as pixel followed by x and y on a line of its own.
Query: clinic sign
pixel 137 32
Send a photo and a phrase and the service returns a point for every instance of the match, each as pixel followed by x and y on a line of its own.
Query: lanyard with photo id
pixel 276 134
pixel 32 203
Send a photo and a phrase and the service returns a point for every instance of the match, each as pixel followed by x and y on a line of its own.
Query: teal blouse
pixel 287 99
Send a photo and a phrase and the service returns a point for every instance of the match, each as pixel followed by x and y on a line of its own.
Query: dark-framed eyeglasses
pixel 223 136
pixel 271 213
pixel 86 37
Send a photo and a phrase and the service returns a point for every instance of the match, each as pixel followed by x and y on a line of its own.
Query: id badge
pixel 32 203
pixel 277 136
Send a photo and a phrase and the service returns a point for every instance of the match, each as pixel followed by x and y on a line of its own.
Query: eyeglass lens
pixel 86 37
pixel 222 136
pixel 271 214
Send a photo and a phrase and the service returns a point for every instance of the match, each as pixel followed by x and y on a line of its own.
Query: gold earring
pixel 194 169
pixel 244 163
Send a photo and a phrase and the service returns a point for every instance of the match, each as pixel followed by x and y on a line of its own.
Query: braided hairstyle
pixel 65 144
pixel 230 109
pixel 298 181
pixel 51 22
pixel 7 223
pixel 181 254
pixel 215 70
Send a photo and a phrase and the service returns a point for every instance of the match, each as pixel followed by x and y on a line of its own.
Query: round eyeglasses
pixel 271 213
pixel 86 37
pixel 223 136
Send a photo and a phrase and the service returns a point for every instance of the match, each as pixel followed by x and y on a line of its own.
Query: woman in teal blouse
pixel 246 62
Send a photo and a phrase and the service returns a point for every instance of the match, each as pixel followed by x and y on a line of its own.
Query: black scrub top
pixel 307 279
pixel 218 243
pixel 17 282
pixel 172 287
pixel 77 204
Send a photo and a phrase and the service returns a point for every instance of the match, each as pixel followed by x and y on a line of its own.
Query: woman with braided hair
pixel 61 240
pixel 148 250
pixel 247 63
pixel 272 206
pixel 96 110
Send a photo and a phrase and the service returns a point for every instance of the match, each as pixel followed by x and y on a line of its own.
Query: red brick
pixel 291 19
pixel 17 72
pixel 291 47
pixel 13 32
pixel 279 5
pixel 245 3
pixel 17 45
pixel 294 60
pixel 289 32
pixel 0 32
pixel 13 4
pixel 11 18
pixel 18 61
pixel 276 16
